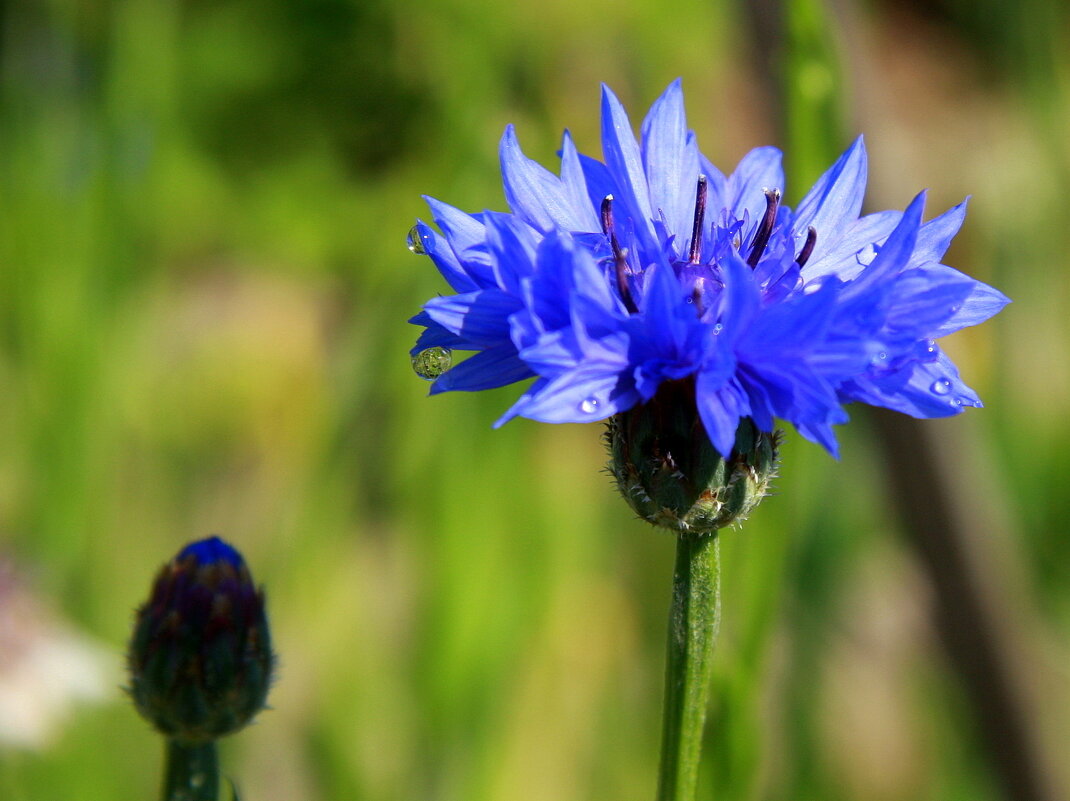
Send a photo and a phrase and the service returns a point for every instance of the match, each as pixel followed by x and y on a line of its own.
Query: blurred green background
pixel 203 293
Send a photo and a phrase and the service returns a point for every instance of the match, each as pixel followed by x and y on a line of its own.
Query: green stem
pixel 694 618
pixel 192 772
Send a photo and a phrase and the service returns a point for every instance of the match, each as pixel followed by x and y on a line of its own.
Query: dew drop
pixel 941 386
pixel 812 287
pixel 589 405
pixel 415 241
pixel 928 349
pixel 430 363
pixel 717 329
pixel 879 359
pixel 866 255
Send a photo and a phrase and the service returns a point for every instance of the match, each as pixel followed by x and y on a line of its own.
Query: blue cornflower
pixel 652 269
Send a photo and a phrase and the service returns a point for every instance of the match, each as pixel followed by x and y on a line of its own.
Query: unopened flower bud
pixel 200 657
pixel 671 475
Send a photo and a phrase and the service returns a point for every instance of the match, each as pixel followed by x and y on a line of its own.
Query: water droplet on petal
pixel 879 359
pixel 928 350
pixel 812 287
pixel 717 329
pixel 866 255
pixel 589 405
pixel 430 363
pixel 941 386
pixel 415 241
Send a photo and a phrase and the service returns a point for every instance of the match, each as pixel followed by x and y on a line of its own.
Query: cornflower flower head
pixel 651 274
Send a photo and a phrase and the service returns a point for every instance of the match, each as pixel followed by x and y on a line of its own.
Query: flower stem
pixel 192 772
pixel 694 618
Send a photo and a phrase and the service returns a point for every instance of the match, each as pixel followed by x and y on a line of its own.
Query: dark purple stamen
pixel 607 215
pixel 695 254
pixel 761 238
pixel 620 256
pixel 808 246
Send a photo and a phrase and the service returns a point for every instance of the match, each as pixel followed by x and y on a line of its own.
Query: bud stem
pixel 694 619
pixel 192 772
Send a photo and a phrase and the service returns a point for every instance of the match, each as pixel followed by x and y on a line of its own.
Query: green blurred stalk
pixel 694 619
pixel 812 87
pixel 192 772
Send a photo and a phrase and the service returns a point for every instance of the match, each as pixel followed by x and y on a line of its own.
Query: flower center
pixel 702 277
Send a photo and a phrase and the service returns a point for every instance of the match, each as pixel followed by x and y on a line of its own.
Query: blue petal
pixel 545 294
pixel 982 302
pixel 922 299
pixel 821 433
pixel 599 182
pixel 895 254
pixel 716 185
pixel 848 257
pixel 793 326
pixel 465 235
pixel 568 349
pixel 834 201
pixel 512 243
pixel 739 301
pixel 922 390
pixel 481 317
pixel 665 310
pixel 581 396
pixel 488 369
pixel 435 336
pixel 445 259
pixel 671 164
pixel 624 160
pixel 935 236
pixel 720 406
pixel 745 192
pixel 535 193
pixel 574 182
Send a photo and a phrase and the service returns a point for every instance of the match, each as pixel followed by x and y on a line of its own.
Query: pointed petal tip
pixel 508 142
pixel 438 386
pixel 674 89
pixel 914 211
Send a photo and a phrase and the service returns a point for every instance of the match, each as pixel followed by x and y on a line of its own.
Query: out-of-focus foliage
pixel 203 289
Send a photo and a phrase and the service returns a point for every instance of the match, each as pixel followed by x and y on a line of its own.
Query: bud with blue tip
pixel 200 656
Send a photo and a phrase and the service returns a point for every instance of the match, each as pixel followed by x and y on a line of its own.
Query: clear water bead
pixel 430 363
pixel 589 405
pixel 941 386
pixel 415 241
